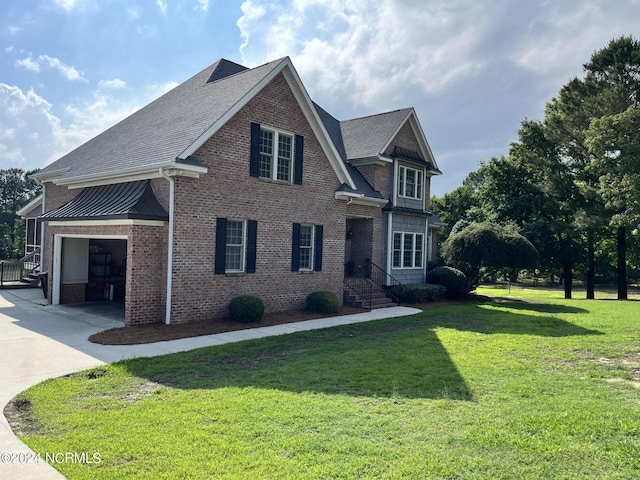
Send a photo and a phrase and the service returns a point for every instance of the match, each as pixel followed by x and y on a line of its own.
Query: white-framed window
pixel 408 250
pixel 306 247
pixel 410 182
pixel 276 155
pixel 234 246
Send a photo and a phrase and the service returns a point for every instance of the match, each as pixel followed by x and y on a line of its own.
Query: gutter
pixel 172 194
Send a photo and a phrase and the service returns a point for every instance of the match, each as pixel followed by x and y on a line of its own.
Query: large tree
pixel 615 142
pixel 610 88
pixel 16 189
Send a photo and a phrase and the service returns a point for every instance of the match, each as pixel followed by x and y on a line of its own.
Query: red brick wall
pixel 70 293
pixel 146 266
pixel 376 228
pixel 228 191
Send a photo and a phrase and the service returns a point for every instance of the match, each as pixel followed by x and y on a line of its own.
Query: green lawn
pixel 527 386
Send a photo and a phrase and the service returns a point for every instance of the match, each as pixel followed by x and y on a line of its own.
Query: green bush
pixel 246 308
pixel 323 302
pixel 418 293
pixel 454 281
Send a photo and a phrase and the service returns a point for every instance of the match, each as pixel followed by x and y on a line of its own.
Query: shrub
pixel 418 293
pixel 454 281
pixel 246 308
pixel 323 302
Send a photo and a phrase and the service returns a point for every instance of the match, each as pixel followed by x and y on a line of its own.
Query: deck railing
pixel 31 261
pixel 11 271
pixel 17 270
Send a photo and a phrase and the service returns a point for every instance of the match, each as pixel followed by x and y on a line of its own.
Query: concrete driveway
pixel 39 341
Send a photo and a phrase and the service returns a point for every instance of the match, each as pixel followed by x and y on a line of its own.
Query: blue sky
pixel 473 69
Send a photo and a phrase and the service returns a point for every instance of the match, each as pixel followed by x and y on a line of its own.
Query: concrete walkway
pixel 39 341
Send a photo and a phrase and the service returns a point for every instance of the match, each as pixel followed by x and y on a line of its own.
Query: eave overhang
pixel 189 167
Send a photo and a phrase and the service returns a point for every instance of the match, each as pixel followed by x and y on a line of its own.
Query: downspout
pixel 172 193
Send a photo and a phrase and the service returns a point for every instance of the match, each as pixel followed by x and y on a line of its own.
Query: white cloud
pixel 162 6
pixel 203 5
pixel 13 29
pixel 69 72
pixel 66 4
pixel 248 22
pixel 29 64
pixel 13 157
pixel 115 83
pixel 365 50
pixel 40 135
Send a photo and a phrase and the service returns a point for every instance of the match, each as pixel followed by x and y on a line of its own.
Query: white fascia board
pixel 412 117
pixel 393 135
pixel 132 174
pixel 348 195
pixel 32 205
pixel 46 176
pixel 422 140
pixel 297 87
pixel 360 199
pixel 209 132
pixel 376 202
pixel 286 67
pixel 381 160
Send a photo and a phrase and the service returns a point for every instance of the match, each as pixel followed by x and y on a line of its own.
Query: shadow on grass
pixel 387 358
pixel 516 304
pixel 492 318
pixel 400 358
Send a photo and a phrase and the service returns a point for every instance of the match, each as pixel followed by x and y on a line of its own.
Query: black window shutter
pixel 295 248
pixel 254 156
pixel 252 242
pixel 317 260
pixel 221 245
pixel 297 170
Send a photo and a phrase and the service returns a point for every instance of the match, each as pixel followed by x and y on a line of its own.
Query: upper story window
pixel 410 182
pixel 276 155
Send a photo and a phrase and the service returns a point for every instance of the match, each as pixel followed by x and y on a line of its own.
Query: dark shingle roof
pixel 225 68
pixel 333 128
pixel 367 136
pixel 131 200
pixel 163 129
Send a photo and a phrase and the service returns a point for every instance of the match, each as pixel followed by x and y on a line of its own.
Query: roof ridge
pixel 377 114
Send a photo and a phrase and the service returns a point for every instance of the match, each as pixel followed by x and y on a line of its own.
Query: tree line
pixel 16 190
pixel 571 182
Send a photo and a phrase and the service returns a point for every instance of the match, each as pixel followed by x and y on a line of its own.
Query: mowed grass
pixel 525 386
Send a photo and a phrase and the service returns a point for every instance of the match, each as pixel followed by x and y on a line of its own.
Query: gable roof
pixel 166 132
pixel 368 136
pixel 35 203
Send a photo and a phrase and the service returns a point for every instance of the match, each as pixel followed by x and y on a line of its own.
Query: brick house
pixel 232 183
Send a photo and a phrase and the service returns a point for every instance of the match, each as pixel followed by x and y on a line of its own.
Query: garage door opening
pixel 92 270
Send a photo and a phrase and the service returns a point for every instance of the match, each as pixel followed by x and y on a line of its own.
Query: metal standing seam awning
pixel 130 201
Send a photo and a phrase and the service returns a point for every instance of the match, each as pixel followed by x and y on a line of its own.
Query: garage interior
pixel 93 270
